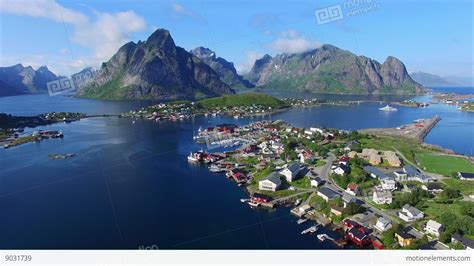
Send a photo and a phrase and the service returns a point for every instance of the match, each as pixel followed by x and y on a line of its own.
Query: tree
pixel 450 193
pixel 353 208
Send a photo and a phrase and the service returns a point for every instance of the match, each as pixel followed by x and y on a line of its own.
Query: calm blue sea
pixel 130 185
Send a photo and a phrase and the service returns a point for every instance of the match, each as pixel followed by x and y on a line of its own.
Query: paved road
pixel 328 183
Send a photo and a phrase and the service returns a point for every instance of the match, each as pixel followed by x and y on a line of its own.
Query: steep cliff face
pixel 224 69
pixel 155 69
pixel 331 70
pixel 17 79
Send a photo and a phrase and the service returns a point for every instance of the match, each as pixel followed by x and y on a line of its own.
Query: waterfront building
pixel 271 183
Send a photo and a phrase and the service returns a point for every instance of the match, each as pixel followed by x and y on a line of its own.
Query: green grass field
pixel 444 164
pixel 466 187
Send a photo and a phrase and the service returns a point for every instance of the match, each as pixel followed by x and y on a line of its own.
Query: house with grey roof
pixel 327 193
pixel 271 183
pixel 410 213
pixel 291 172
pixel 375 172
pixel 383 224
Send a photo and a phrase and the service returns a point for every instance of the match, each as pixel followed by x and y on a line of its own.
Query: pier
pixel 416 131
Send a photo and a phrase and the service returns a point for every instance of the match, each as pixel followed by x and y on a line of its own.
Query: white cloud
pixel 291 41
pixel 108 32
pixel 246 65
pixel 103 35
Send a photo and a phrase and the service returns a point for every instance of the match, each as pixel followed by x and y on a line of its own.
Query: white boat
pixel 244 200
pixel 253 204
pixel 192 158
pixel 312 229
pixel 302 221
pixel 322 237
pixel 388 108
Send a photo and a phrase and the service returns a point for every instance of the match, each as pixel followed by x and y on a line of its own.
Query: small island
pixel 12 128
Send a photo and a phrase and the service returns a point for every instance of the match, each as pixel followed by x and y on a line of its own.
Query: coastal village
pixel 12 130
pixel 372 198
pixel 374 188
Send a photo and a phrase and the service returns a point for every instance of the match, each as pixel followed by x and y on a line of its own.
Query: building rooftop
pixel 294 167
pixel 328 192
pixel 463 240
pixel 375 171
pixel 411 170
pixel 414 211
pixel 274 178
pixel 434 224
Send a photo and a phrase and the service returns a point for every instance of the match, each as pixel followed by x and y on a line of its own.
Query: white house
pixel 434 228
pixel 388 184
pixel 291 172
pixel 327 193
pixel 382 196
pixel 400 176
pixel 316 129
pixel 352 189
pixel 272 182
pixel 316 182
pixel 339 170
pixel 383 224
pixel 410 213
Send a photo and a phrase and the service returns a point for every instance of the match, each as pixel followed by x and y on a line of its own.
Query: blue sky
pixel 431 36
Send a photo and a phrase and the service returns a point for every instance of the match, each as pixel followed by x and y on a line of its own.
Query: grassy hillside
pixel 245 99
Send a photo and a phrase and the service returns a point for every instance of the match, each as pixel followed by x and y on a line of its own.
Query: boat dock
pixel 416 131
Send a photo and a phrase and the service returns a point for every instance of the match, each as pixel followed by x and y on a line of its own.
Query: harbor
pixel 417 130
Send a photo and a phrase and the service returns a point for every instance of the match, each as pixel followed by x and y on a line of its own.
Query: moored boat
pixel 302 221
pixel 388 108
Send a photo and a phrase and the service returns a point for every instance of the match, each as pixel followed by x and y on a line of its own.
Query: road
pixel 328 183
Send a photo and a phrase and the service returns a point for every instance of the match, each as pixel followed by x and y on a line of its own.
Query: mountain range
pixel 432 80
pixel 155 69
pixel 17 80
pixel 329 69
pixel 159 69
pixel 224 69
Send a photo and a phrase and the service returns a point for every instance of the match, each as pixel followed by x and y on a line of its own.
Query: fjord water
pixel 130 185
